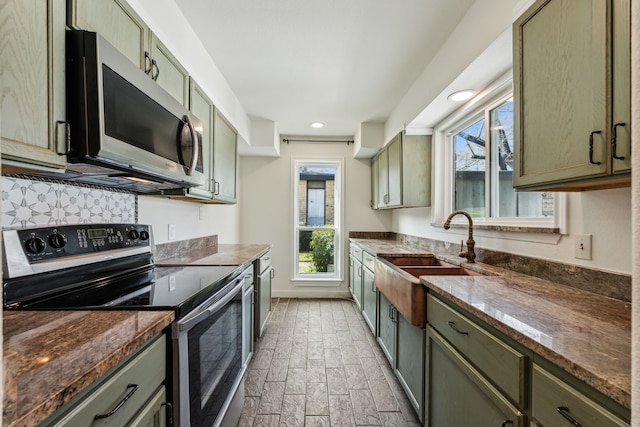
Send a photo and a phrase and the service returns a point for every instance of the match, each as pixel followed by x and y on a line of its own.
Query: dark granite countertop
pixel 51 356
pixel 586 334
pixel 222 254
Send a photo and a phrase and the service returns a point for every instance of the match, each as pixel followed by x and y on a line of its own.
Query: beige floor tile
pixel 350 355
pixel 262 359
pixel 317 402
pixel 341 411
pixel 364 408
pixel 296 381
pixel 271 398
pixel 356 379
pixel 293 410
pixel 266 421
pixel 315 350
pixel 337 381
pixel 316 371
pixel 317 421
pixel 254 382
pixel 372 369
pixel 333 358
pixel 383 396
pixel 249 411
pixel 278 370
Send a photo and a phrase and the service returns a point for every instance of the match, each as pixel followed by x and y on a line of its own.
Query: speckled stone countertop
pixel 223 254
pixel 51 356
pixel 586 334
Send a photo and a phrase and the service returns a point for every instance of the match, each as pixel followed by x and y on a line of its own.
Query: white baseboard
pixel 311 293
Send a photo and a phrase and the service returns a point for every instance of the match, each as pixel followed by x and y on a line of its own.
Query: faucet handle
pixel 462 252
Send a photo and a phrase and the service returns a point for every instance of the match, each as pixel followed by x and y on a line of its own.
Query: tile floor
pixel 319 365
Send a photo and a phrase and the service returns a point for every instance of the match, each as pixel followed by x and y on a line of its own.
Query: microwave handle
pixel 196 147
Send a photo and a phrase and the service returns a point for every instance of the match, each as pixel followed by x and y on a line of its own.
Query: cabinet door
pixel 154 413
pixel 369 299
pixel 32 85
pixel 387 327
pixel 383 178
pixel 458 395
pixel 202 107
pixel 116 21
pixel 225 149
pixel 394 150
pixel 264 300
pixel 622 85
pixel 375 192
pixel 410 362
pixel 169 73
pixel 247 325
pixel 560 91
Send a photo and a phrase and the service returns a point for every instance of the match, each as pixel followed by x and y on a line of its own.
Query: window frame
pixel 444 171
pixel 334 278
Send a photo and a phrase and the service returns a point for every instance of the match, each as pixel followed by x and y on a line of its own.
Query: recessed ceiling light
pixel 461 95
pixel 317 125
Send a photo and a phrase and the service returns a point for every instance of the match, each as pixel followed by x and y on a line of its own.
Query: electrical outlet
pixel 582 249
pixel 172 231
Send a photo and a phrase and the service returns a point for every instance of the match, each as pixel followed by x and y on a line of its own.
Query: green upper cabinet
pixel 401 173
pixel 225 150
pixel 32 44
pixel 119 24
pixel 572 95
pixel 168 72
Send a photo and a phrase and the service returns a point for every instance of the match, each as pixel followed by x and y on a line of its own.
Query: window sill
pixel 509 228
pixel 333 281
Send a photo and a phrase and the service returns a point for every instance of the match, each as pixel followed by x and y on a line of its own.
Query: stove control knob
pixel 134 234
pixel 57 241
pixel 144 235
pixel 35 245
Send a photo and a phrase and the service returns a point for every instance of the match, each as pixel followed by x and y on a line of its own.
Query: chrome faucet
pixel 469 254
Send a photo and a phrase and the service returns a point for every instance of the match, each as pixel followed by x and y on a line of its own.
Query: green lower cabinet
pixel 369 299
pixel 410 362
pixel 458 395
pixel 355 280
pixel 387 315
pixel 555 403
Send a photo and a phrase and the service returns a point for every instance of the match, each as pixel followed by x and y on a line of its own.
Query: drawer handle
pixel 506 422
pixel 134 388
pixel 455 328
pixel 169 413
pixel 564 411
pixel 595 132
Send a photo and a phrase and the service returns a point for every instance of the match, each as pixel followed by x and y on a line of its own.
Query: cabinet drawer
pixel 368 260
pixel 146 371
pixel 356 251
pixel 264 262
pixel 505 366
pixel 550 394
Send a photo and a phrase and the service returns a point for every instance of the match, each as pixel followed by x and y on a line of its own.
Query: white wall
pixel 605 214
pixel 266 215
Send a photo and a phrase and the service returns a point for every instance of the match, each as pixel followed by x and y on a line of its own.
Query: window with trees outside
pixel 317 214
pixel 483 168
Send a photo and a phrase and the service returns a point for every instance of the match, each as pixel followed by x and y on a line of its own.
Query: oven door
pixel 209 364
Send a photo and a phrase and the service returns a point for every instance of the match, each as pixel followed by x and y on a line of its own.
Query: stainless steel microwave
pixel 125 130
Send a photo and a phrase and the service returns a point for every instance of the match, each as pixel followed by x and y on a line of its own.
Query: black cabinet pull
pixel 154 64
pixel 455 328
pixel 614 142
pixel 564 411
pixel 169 407
pixel 506 422
pixel 147 63
pixel 120 404
pixel 595 132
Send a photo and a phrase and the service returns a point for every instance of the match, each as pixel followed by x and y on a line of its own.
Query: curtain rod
pixel 286 140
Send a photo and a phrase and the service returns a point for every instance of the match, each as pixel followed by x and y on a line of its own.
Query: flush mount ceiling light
pixel 461 95
pixel 317 125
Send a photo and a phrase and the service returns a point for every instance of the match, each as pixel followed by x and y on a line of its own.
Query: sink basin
pixel 397 278
pixel 426 260
pixel 453 270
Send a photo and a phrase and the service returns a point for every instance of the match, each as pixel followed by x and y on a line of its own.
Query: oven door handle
pixel 189 322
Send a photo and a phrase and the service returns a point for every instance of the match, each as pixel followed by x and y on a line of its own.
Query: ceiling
pixel 339 62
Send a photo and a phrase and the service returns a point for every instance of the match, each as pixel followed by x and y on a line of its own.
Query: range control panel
pixel 48 243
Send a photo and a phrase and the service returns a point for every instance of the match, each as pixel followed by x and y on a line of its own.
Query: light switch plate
pixel 582 249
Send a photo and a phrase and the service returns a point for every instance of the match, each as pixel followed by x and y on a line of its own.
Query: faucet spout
pixel 469 254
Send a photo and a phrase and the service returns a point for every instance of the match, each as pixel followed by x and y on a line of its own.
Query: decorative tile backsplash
pixel 31 203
